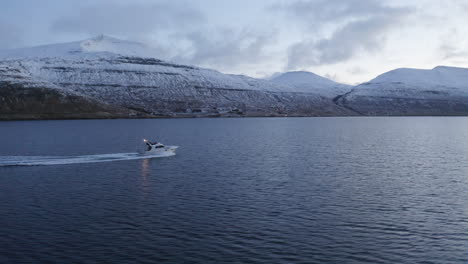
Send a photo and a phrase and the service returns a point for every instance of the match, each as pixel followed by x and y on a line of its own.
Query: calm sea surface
pixel 260 190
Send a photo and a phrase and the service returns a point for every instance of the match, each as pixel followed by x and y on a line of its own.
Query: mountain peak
pixel 304 77
pixel 101 44
pixel 310 82
pixel 101 37
pixel 299 75
pixel 438 76
pixel 300 72
pixel 106 38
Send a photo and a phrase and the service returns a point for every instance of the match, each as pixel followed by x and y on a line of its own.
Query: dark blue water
pixel 279 190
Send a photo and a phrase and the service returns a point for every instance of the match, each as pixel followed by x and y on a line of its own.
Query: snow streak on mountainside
pixel 108 70
pixel 308 82
pixel 440 91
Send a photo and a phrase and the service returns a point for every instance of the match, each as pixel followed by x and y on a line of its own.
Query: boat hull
pixel 166 149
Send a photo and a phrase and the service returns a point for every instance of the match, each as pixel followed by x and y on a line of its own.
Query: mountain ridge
pixel 442 90
pixel 123 78
pixel 155 87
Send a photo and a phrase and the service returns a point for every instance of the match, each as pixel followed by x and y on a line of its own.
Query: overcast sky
pixel 350 41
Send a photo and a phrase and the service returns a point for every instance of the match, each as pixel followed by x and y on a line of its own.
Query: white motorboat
pixel 153 148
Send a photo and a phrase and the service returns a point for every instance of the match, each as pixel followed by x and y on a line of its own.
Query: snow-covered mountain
pixel 439 91
pixel 126 75
pixel 99 44
pixel 107 77
pixel 309 82
pixel 25 97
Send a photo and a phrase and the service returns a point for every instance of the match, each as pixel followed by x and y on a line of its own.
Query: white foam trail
pixel 63 160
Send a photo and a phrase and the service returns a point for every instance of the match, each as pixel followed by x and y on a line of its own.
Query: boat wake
pixel 6 161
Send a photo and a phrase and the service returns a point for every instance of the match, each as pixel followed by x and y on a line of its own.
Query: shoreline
pixel 3 119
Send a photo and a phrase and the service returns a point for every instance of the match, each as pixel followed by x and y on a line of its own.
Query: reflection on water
pixel 145 175
pixel 145 168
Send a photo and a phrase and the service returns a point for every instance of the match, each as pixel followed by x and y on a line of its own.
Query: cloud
pixel 462 4
pixel 336 30
pixel 359 36
pixel 177 30
pixel 136 19
pixel 332 76
pixel 226 47
pixel 317 12
pixel 356 70
pixel 453 45
pixel 11 35
pixel 450 51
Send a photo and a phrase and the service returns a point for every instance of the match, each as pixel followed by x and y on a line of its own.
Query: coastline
pixel 107 116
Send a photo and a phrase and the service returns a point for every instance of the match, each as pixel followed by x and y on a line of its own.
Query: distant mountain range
pixel 104 77
pixel 440 91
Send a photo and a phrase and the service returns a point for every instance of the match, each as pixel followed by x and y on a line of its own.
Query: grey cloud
pixel 453 45
pixel 332 76
pixel 11 36
pixel 185 35
pixel 449 51
pixel 315 12
pixel 361 26
pixel 227 47
pixel 462 3
pixel 136 19
pixel 356 70
pixel 356 36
